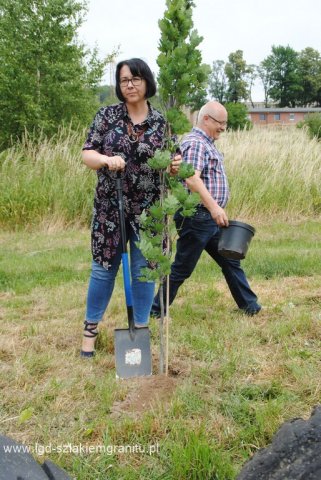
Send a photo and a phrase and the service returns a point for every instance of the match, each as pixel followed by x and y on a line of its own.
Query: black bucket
pixel 235 239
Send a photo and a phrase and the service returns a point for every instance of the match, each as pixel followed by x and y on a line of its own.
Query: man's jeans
pixel 102 283
pixel 198 233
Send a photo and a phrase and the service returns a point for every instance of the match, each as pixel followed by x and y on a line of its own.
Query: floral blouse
pixel 113 133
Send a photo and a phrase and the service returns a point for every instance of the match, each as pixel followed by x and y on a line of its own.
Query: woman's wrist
pixel 103 161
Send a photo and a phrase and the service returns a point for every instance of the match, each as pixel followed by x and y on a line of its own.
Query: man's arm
pixel 196 184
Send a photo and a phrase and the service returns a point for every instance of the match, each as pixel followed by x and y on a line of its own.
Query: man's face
pixel 216 124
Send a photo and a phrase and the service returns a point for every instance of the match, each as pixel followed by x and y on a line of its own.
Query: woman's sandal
pixel 90 331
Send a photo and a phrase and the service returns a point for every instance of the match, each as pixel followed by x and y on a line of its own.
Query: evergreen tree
pixel 182 77
pixel 46 76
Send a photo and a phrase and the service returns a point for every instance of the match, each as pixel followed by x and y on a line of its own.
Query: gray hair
pixel 203 111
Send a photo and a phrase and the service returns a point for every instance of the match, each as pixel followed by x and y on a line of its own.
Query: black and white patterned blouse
pixel 113 133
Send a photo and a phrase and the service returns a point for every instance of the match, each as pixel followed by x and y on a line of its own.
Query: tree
pixel 182 76
pixel 218 82
pixel 106 95
pixel 283 70
pixel 310 77
pixel 46 77
pixel 236 71
pixel 265 78
pixel 250 78
pixel 157 233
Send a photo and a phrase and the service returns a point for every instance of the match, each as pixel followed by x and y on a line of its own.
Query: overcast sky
pixel 249 25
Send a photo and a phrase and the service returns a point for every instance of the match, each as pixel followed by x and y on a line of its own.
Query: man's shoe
pixel 251 311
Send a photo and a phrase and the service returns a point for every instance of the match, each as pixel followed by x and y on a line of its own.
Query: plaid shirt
pixel 199 150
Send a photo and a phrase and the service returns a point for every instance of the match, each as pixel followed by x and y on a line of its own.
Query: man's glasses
pixel 222 123
pixel 136 81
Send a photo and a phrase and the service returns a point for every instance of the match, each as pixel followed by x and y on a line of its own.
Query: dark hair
pixel 138 68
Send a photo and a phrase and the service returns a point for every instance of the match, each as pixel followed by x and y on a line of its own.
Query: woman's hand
pixel 175 164
pixel 96 160
pixel 114 163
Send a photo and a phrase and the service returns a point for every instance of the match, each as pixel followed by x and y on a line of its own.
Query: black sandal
pixel 90 331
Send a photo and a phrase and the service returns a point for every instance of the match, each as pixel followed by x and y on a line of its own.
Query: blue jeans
pixel 102 281
pixel 198 233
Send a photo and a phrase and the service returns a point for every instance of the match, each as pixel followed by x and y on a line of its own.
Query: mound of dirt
pixel 144 393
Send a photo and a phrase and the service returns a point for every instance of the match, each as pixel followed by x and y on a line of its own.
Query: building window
pixel 262 116
pixel 292 115
pixel 277 116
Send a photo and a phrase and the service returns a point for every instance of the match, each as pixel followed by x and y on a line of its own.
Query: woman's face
pixel 133 91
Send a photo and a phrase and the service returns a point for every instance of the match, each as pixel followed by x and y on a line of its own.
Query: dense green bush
pixel 313 125
pixel 237 116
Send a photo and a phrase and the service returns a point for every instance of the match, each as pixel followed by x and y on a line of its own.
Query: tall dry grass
pixel 45 182
pixel 272 172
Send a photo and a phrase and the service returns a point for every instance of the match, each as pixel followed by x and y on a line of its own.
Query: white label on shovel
pixel 133 357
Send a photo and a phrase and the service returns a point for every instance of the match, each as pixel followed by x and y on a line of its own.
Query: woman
pixel 122 137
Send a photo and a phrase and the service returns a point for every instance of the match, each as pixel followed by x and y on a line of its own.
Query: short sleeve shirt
pixel 113 133
pixel 199 150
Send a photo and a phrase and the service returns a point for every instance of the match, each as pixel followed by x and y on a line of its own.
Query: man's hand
pixel 219 215
pixel 175 164
pixel 196 184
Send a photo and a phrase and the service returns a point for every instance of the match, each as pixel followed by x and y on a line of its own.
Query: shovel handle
pixel 126 275
pixel 124 255
pixel 119 191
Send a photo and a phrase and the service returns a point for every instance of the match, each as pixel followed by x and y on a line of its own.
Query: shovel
pixel 132 345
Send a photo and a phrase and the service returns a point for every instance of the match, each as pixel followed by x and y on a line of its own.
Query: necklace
pixel 133 135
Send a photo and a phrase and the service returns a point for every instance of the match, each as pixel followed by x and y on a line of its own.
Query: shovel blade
pixel 132 352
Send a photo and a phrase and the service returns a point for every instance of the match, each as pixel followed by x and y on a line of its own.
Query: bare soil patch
pixel 144 394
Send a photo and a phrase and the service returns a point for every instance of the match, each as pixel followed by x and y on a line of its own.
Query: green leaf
pixel 161 160
pixel 170 205
pixel 158 227
pixel 146 246
pixel 187 212
pixel 156 211
pixel 25 415
pixel 180 192
pixel 88 432
pixel 186 170
pixel 157 240
pixel 192 200
pixel 143 219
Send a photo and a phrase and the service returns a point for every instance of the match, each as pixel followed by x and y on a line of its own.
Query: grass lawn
pixel 233 380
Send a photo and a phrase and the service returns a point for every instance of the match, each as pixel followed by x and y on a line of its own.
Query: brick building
pixel 279 116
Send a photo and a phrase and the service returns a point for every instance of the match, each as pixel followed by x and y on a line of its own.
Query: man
pixel 201 231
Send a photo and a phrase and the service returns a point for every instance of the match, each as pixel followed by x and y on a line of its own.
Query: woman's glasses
pixel 136 81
